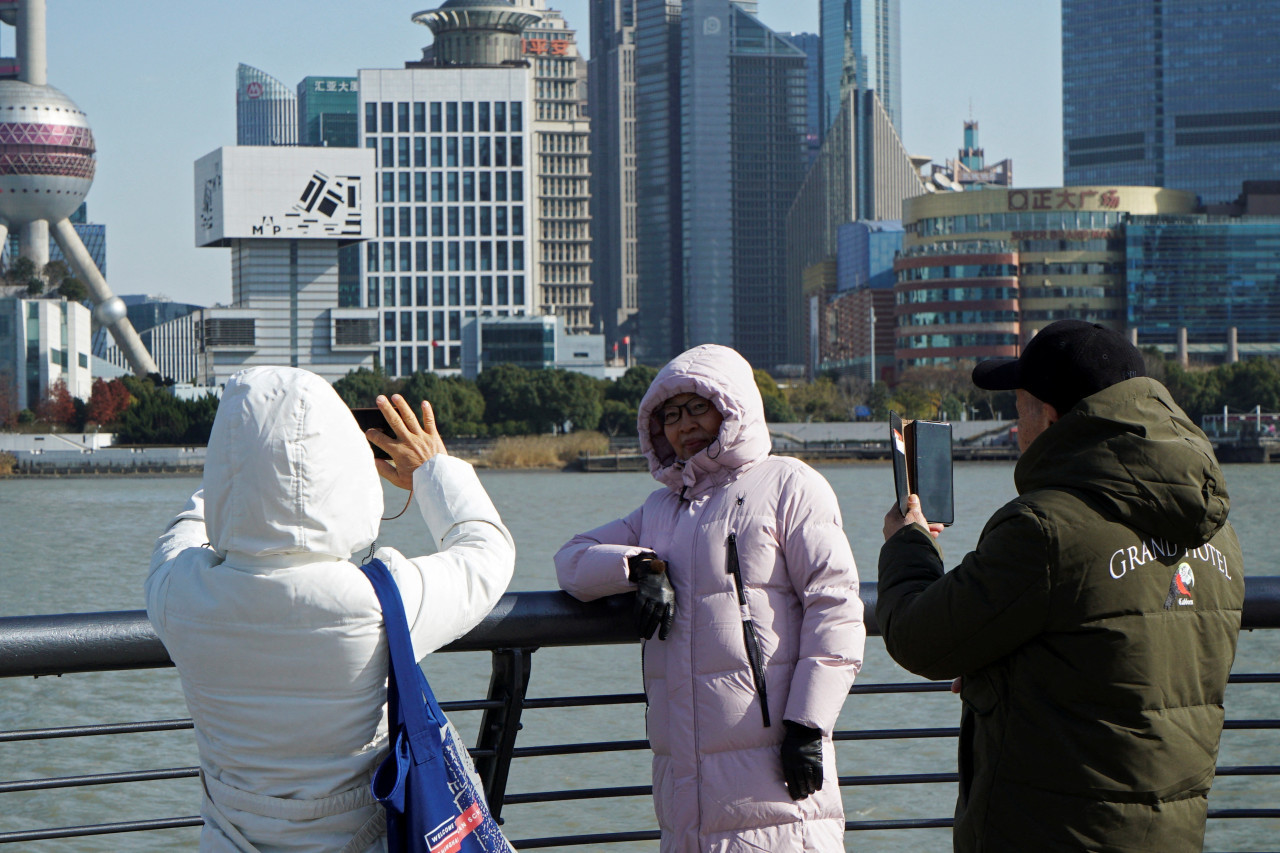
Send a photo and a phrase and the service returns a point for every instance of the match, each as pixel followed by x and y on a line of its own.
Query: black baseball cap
pixel 1065 362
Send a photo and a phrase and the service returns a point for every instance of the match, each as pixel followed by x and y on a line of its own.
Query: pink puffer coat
pixel 717 774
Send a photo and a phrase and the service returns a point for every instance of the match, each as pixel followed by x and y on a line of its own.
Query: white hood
pixel 288 470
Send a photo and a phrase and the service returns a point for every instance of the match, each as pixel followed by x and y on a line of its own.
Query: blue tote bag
pixel 431 793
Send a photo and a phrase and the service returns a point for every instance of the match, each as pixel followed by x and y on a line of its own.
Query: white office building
pixel 43 341
pixel 284 212
pixel 454 240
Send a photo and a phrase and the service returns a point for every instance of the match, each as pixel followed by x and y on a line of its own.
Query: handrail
pixel 124 639
pixel 517 626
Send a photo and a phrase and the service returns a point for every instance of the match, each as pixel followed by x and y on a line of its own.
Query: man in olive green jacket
pixel 1094 627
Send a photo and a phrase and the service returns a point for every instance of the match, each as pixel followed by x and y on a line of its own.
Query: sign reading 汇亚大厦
pixel 285 192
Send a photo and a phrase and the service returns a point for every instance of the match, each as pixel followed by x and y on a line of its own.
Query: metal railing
pixel 520 624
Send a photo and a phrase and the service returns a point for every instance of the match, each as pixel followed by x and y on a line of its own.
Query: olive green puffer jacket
pixel 1094 627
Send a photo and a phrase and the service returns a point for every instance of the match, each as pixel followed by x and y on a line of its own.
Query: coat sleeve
pixel 832 634
pixel 446 594
pixel 592 565
pixel 184 532
pixel 944 624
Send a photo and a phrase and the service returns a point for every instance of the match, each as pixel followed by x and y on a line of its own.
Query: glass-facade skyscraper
pixel 1205 274
pixel 871 29
pixel 327 112
pixel 266 109
pixel 721 114
pixel 1176 94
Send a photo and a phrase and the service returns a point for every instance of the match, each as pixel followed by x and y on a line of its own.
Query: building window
pixel 355 332
pixel 419 117
pixel 370 118
pixel 436 124
pixel 228 332
pixel 451 118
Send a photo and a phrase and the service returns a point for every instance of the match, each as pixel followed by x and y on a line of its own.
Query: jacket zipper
pixel 754 657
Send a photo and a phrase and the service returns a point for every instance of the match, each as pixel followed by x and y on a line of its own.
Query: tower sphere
pixel 46 154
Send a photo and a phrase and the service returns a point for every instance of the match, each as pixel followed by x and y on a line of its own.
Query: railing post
pixel 499 727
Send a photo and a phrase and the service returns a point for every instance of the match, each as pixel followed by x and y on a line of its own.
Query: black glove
pixel 801 759
pixel 655 597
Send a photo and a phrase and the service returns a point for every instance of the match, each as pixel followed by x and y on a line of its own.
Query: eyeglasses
pixel 695 407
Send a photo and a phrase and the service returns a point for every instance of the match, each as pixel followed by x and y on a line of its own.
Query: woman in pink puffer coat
pixel 745 683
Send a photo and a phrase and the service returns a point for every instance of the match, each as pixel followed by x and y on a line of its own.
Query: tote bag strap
pixel 405 683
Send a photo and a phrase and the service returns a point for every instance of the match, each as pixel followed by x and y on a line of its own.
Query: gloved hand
pixel 801 759
pixel 655 597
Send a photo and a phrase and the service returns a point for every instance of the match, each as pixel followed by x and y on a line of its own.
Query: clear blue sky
pixel 157 79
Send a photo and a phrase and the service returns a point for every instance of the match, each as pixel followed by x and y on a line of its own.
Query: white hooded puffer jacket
pixel 278 636
pixel 717 772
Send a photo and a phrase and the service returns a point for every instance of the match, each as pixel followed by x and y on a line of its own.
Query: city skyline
pixel 157 83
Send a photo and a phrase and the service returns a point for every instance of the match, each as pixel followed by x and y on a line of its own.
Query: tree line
pixel 509 400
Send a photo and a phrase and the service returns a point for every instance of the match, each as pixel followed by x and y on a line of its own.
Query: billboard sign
pixel 283 193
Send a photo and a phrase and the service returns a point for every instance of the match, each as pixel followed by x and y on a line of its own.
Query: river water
pixel 76 545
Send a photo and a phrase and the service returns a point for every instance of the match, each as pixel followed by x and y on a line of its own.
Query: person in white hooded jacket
pixel 278 637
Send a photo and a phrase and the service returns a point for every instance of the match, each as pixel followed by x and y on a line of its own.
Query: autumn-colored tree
pixel 107 401
pixel 56 405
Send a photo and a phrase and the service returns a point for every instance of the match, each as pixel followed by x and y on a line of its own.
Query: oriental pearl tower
pixel 46 169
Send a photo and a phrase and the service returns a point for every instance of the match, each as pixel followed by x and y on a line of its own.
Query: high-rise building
pixel 869 29
pixel 454 177
pixel 812 46
pixel 328 109
pixel 721 123
pixel 284 212
pixel 862 173
pixel 612 102
pixel 1170 94
pixel 562 157
pixel 1204 285
pixel 266 109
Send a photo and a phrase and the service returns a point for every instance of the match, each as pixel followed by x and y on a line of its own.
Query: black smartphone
pixel 373 418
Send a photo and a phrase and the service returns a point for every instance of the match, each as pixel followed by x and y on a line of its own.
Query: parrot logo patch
pixel 1180 587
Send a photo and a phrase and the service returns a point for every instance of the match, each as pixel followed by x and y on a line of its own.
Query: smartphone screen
pixel 373 418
